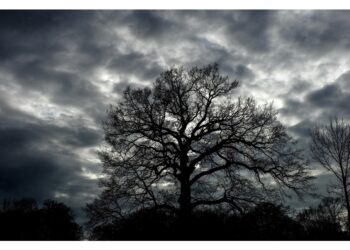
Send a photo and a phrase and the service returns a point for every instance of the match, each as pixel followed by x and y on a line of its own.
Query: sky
pixel 60 70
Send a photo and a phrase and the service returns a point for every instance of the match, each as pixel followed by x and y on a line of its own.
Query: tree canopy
pixel 186 143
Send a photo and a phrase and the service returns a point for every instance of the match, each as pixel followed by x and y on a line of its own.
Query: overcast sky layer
pixel 59 71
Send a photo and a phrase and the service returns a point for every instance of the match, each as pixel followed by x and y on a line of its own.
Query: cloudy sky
pixel 59 71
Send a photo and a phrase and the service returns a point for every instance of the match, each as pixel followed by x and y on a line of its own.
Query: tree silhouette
pixel 268 221
pixel 186 144
pixel 24 220
pixel 58 222
pixel 330 147
pixel 322 222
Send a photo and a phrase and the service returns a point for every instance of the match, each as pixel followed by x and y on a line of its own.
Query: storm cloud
pixel 59 71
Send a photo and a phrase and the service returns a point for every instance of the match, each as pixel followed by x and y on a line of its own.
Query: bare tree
pixel 186 143
pixel 330 147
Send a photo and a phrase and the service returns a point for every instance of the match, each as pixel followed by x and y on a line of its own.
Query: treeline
pixel 265 221
pixel 25 220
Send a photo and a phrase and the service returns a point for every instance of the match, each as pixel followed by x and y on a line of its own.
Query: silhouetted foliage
pixel 322 222
pixel 141 225
pixel 330 147
pixel 265 221
pixel 24 220
pixel 268 222
pixel 185 144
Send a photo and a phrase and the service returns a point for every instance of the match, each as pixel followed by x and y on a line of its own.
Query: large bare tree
pixel 187 143
pixel 330 147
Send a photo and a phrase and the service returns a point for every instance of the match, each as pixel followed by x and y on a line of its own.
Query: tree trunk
pixel 347 206
pixel 185 192
pixel 185 199
pixel 185 208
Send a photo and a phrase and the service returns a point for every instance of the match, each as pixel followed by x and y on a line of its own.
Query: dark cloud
pixel 136 64
pixel 332 99
pixel 325 96
pixel 317 32
pixel 251 29
pixel 148 24
pixel 50 32
pixel 302 129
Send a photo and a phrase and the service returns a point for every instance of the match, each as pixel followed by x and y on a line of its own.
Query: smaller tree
pixel 330 147
pixel 323 221
pixel 57 222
